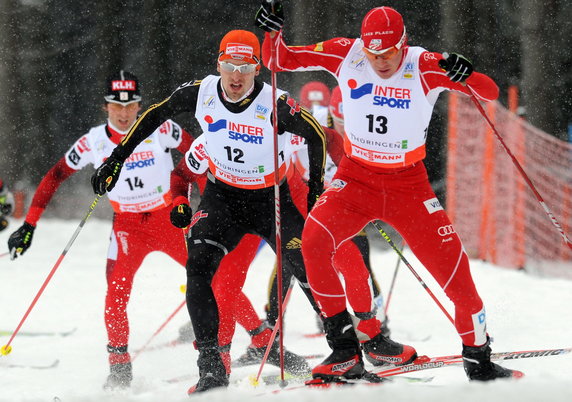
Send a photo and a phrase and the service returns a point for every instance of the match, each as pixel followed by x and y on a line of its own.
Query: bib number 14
pixel 136 182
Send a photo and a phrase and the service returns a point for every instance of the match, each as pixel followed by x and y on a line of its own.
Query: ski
pixel 276 379
pixel 426 363
pixel 369 380
pixel 40 333
pixel 380 376
pixel 164 345
pixel 244 361
pixel 54 364
pixel 404 337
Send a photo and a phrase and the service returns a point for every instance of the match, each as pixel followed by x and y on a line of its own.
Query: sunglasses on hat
pixel 243 68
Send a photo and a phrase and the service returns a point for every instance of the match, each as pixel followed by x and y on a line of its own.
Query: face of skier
pixel 237 77
pixel 122 116
pixel 386 64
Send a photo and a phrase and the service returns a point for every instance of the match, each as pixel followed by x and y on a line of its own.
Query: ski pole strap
pixel 260 329
pixel 365 316
pixel 225 348
pixel 119 350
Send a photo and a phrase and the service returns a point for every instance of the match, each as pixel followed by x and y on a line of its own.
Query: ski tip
pixel 315 335
pixel 192 390
pixel 517 374
pixel 68 333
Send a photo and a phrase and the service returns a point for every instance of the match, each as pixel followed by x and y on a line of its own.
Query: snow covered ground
pixel 524 312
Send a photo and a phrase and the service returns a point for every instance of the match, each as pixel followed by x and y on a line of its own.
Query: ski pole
pixel 4 254
pixel 6 349
pixel 520 169
pixel 394 247
pixel 276 212
pixel 278 326
pixel 174 313
pixel 390 292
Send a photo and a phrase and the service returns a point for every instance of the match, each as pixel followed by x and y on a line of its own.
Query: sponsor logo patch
pixel 345 366
pixel 74 157
pixel 446 230
pixel 209 101
pixel 140 160
pixel 295 243
pixel 261 112
pixel 336 185
pixel 433 205
pixel 126 85
pixel 408 71
pixel 236 131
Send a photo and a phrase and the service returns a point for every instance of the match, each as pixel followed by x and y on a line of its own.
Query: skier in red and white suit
pixel 388 90
pixel 363 294
pixel 141 202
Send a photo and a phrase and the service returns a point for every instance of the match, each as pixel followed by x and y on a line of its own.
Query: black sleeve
pixel 295 119
pixel 184 99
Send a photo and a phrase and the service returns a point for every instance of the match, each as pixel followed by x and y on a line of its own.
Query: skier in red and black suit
pixel 388 90
pixel 235 113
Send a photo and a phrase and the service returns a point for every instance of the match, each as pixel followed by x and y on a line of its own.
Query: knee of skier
pixel 204 260
pixel 316 239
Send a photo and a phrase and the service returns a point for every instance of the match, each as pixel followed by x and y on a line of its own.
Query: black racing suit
pixel 230 212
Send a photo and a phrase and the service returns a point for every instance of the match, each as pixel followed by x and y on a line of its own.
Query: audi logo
pixel 446 230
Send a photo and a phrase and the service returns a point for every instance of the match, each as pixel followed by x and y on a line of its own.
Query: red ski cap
pixel 240 45
pixel 382 29
pixel 314 92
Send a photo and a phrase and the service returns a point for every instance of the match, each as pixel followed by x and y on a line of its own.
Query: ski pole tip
pixel 5 350
pixel 253 381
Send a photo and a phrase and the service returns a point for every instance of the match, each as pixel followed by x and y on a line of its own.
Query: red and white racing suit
pixel 382 175
pixel 141 201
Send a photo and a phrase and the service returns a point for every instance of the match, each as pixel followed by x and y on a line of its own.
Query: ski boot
pixel 293 364
pixel 120 369
pixel 380 350
pixel 345 361
pixel 478 365
pixel 212 372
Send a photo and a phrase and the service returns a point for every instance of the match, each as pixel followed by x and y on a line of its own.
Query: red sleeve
pixel 335 144
pixel 186 142
pixel 327 55
pixel 46 190
pixel 433 76
pixel 182 177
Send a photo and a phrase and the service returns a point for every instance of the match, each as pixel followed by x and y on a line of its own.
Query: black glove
pixel 270 16
pixel 6 201
pixel 5 209
pixel 314 191
pixel 20 240
pixel 181 216
pixel 3 223
pixel 106 175
pixel 458 67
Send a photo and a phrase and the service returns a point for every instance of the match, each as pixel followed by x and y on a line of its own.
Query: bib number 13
pixel 377 124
